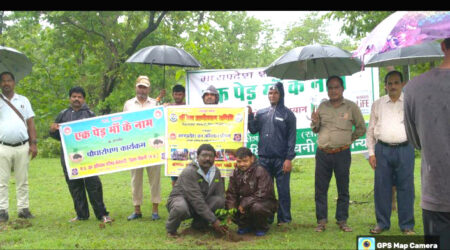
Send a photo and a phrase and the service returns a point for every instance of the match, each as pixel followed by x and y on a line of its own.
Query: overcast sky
pixel 282 19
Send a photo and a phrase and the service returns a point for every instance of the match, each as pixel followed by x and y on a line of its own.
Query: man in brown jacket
pixel 198 193
pixel 251 191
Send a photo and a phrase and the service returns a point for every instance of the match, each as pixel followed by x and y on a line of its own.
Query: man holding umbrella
pixel 143 101
pixel 17 141
pixel 333 122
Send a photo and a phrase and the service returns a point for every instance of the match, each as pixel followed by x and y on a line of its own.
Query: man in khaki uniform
pixel 333 121
pixel 143 101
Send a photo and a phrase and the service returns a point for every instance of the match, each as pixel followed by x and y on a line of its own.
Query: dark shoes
pixel 4 217
pixel 244 230
pixel 25 214
pixel 260 232
pixel 155 216
pixel 134 216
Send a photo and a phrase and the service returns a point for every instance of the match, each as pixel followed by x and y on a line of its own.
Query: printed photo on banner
pixel 249 87
pixel 112 143
pixel 225 128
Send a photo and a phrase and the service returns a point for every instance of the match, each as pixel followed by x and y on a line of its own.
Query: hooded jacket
pixel 277 130
pixel 250 186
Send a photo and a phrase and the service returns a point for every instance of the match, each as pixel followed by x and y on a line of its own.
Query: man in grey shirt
pixel 427 121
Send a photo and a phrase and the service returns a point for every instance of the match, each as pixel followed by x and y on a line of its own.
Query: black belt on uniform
pixel 401 144
pixel 15 144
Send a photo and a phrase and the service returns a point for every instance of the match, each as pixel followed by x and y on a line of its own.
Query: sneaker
pixel 155 216
pixel 25 214
pixel 260 233
pixel 107 219
pixel 4 217
pixel 244 230
pixel 134 216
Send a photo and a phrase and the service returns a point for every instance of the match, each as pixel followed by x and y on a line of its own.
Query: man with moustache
pixel 198 193
pixel 143 101
pixel 210 95
pixel 17 142
pixel 392 157
pixel 78 187
pixel 334 121
pixel 251 192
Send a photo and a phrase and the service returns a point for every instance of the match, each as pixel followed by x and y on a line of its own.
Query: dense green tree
pixel 89 49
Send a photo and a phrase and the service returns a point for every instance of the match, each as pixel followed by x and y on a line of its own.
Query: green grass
pixel 52 205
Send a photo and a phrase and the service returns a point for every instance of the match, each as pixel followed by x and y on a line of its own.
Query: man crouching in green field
pixel 251 191
pixel 198 193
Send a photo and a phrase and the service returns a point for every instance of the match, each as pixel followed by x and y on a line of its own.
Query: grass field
pixel 52 205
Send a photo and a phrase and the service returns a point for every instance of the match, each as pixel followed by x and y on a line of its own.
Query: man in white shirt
pixel 392 157
pixel 143 101
pixel 17 141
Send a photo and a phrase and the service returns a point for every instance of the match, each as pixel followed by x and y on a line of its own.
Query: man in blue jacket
pixel 277 127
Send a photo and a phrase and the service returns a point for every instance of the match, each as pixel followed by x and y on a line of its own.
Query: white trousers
pixel 18 158
pixel 154 177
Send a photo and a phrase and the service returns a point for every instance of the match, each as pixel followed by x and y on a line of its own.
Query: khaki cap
pixel 143 81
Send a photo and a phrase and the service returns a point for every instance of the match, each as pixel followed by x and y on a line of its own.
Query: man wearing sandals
pixel 392 157
pixel 333 121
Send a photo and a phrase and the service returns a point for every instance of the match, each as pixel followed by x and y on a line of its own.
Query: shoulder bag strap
pixel 13 108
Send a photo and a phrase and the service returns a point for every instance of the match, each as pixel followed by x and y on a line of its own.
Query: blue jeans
pixel 395 166
pixel 275 168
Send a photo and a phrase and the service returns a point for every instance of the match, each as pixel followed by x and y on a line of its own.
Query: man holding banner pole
pixel 79 110
pixel 143 101
pixel 276 147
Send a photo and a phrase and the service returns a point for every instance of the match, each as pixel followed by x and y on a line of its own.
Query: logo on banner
pixel 67 130
pixel 173 117
pixel 158 114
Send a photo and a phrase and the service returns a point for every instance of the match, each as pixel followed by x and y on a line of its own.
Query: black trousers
pixel 78 188
pixel 326 164
pixel 256 216
pixel 437 224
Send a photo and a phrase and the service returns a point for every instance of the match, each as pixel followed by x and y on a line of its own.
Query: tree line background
pixel 89 49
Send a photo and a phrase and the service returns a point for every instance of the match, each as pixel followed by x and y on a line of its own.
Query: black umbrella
pixel 164 55
pixel 314 62
pixel 415 54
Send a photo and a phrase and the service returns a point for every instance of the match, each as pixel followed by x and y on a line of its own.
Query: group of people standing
pixel 399 121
